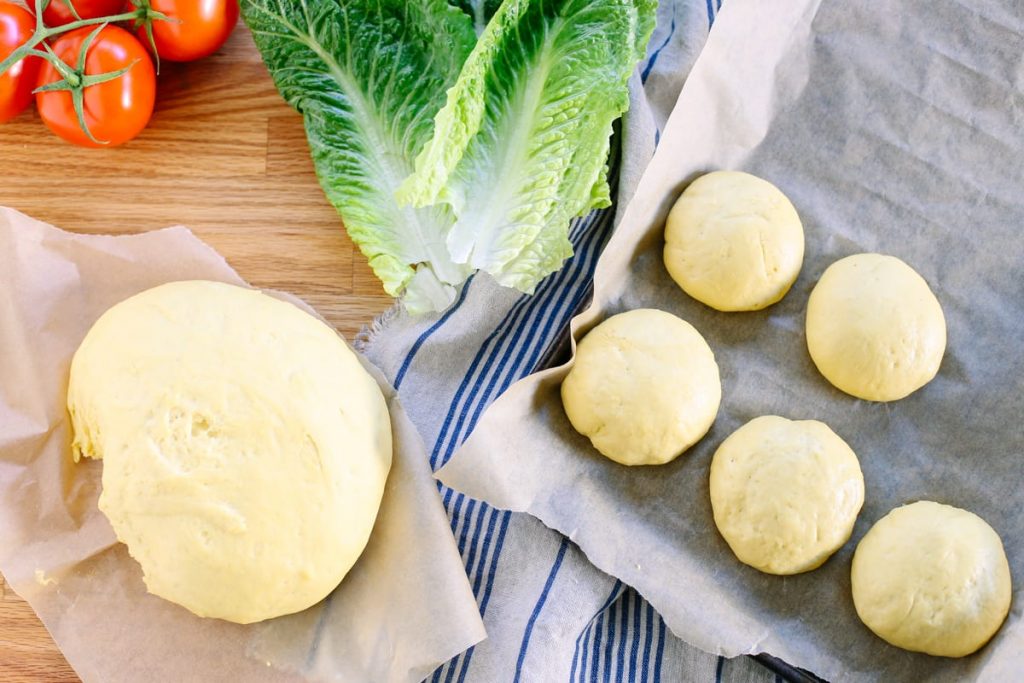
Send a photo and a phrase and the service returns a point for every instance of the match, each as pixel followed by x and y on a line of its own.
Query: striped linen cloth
pixel 550 615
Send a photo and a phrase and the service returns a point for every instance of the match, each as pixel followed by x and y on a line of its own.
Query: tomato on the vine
pixel 17 83
pixel 57 13
pixel 115 111
pixel 196 28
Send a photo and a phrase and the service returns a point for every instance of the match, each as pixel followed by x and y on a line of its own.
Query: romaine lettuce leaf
pixel 368 78
pixel 517 148
pixel 520 147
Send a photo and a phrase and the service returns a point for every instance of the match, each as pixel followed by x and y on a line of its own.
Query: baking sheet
pixel 405 607
pixel 894 127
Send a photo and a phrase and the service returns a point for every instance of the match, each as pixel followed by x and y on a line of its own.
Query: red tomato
pixel 197 28
pixel 115 111
pixel 18 82
pixel 57 13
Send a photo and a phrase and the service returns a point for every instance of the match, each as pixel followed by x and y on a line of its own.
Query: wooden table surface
pixel 223 155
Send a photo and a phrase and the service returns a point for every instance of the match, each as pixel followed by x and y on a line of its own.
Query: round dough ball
pixel 734 242
pixel 245 448
pixel 785 493
pixel 874 328
pixel 644 387
pixel 932 578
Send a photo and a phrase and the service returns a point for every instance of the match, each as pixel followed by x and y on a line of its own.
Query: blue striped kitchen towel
pixel 550 615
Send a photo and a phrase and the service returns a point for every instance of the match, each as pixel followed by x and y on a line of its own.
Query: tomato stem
pixel 126 16
pixel 71 6
pixel 43 33
pixel 145 22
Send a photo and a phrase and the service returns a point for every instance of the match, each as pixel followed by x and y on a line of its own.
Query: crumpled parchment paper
pixel 894 126
pixel 405 607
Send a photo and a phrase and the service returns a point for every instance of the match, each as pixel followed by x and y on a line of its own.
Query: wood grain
pixel 223 155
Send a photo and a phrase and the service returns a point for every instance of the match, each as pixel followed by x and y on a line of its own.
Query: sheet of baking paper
pixel 405 607
pixel 894 126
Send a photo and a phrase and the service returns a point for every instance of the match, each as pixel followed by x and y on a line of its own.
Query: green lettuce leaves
pixel 521 145
pixel 368 78
pixel 444 153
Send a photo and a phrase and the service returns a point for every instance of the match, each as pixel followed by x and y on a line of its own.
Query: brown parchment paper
pixel 405 608
pixel 894 126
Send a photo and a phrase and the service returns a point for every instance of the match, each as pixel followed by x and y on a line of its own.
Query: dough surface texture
pixel 874 328
pixel 785 493
pixel 734 242
pixel 244 447
pixel 644 387
pixel 932 578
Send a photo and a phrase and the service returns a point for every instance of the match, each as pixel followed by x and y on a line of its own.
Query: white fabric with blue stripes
pixel 550 615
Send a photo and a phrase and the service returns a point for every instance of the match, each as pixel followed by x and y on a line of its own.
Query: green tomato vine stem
pixel 74 80
pixel 141 14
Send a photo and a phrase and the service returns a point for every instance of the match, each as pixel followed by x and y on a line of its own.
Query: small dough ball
pixel 932 578
pixel 874 328
pixel 644 387
pixel 734 242
pixel 785 493
pixel 244 447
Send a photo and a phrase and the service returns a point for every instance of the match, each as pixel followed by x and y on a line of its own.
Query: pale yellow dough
pixel 734 242
pixel 785 493
pixel 874 328
pixel 245 448
pixel 932 578
pixel 644 387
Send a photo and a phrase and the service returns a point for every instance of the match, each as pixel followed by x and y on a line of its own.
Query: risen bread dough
pixel 785 493
pixel 644 387
pixel 245 448
pixel 932 578
pixel 734 242
pixel 874 328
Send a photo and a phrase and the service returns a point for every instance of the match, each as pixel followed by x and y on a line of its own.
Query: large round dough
pixel 245 448
pixel 734 242
pixel 785 493
pixel 644 387
pixel 874 328
pixel 932 578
